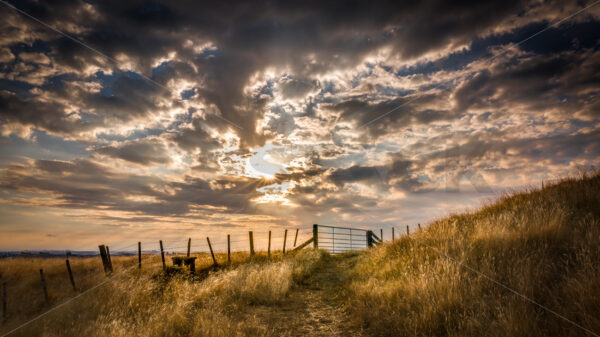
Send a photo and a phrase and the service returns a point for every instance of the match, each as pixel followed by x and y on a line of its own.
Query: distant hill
pixel 56 253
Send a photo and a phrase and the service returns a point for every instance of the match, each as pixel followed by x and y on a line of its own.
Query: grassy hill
pixel 543 244
pixel 474 274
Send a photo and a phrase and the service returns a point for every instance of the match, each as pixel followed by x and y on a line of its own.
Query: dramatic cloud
pixel 142 152
pixel 243 115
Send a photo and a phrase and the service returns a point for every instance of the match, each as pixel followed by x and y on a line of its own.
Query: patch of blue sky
pixel 568 36
pixel 161 68
pixel 38 46
pixel 187 94
pixel 266 89
pixel 328 87
pixel 108 81
pixel 208 54
pixel 21 89
pixel 357 79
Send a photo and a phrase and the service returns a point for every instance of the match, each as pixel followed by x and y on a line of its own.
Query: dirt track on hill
pixel 313 308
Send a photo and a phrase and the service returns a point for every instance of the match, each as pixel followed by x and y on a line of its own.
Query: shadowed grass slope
pixel 544 244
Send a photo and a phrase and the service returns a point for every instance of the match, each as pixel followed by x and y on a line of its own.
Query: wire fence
pixel 333 239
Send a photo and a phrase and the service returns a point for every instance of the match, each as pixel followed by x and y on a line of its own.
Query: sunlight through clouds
pixel 184 114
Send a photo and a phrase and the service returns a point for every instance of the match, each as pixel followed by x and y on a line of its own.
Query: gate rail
pixel 337 240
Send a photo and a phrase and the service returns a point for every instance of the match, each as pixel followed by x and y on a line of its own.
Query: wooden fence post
pixel 284 241
pixel 70 274
pixel 211 251
pixel 393 234
pixel 419 226
pixel 192 266
pixel 4 314
pixel 104 258
pixel 369 238
pixel 110 266
pixel 189 246
pixel 228 249
pixel 269 246
pixel 44 285
pixel 296 237
pixel 407 231
pixel 251 237
pixel 316 236
pixel 381 232
pixel 162 255
pixel 139 255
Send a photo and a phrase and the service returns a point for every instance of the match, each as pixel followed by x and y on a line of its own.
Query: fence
pixel 338 240
pixel 333 239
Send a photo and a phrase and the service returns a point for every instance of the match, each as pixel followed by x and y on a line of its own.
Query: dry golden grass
pixel 545 244
pixel 148 303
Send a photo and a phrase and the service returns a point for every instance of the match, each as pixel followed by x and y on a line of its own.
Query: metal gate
pixel 338 240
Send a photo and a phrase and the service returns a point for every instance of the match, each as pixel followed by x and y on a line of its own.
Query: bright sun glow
pixel 263 165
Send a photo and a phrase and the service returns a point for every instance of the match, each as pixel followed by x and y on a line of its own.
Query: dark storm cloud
pixel 123 97
pixel 480 152
pixel 553 149
pixel 381 118
pixel 283 123
pixel 233 193
pixel 299 175
pixel 78 184
pixel 143 152
pixel 308 37
pixel 195 137
pixel 89 185
pixel 296 88
pixel 368 174
pixel 578 36
pixel 399 172
pixel 49 116
pixel 453 116
pixel 567 81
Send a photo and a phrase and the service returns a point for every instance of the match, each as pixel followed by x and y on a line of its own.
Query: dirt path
pixel 313 308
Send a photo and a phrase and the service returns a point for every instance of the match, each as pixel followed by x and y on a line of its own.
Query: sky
pixel 126 121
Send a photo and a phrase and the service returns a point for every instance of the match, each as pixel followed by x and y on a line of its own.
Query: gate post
pixel 369 238
pixel 316 236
